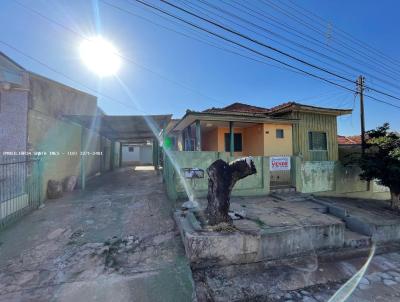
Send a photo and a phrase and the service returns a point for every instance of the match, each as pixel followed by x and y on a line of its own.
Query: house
pixel 288 129
pixel 349 140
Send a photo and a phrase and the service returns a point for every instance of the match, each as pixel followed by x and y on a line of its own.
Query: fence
pixel 20 187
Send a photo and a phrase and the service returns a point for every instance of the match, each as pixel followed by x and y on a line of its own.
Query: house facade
pixel 285 130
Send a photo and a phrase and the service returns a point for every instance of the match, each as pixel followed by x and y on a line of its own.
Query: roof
pixel 253 114
pixel 124 128
pixel 294 106
pixel 239 107
pixel 282 108
pixel 349 140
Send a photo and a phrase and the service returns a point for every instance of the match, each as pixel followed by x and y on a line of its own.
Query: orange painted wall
pixel 258 140
pixel 221 139
pixel 209 140
pixel 253 140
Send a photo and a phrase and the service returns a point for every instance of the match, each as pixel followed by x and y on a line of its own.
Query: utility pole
pixel 360 91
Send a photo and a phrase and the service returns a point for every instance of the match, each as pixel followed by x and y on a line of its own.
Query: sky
pixel 166 72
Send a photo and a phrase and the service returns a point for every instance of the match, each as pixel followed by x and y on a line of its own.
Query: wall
pixel 209 140
pixel 106 157
pixel 130 157
pixel 256 140
pixel 91 141
pixel 13 120
pixel 274 145
pixel 50 131
pixel 253 140
pixel 329 178
pixel 317 176
pixel 314 122
pixel 146 155
pixel 49 134
pixel 141 155
pixel 254 185
pixel 221 139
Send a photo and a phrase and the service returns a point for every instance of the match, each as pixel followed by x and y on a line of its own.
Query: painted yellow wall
pixel 277 146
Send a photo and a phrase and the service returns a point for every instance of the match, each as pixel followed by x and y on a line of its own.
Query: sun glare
pixel 100 56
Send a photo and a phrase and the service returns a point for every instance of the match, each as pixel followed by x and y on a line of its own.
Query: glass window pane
pixel 237 142
pixel 317 140
pixel 279 133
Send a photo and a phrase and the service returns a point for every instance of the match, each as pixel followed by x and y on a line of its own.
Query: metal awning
pixel 124 128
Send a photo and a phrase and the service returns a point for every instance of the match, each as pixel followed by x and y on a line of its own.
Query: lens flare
pixel 100 56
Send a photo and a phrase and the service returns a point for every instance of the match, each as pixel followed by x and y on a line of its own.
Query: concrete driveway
pixel 114 242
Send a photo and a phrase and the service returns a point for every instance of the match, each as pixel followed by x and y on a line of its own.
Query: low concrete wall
pixel 329 178
pixel 254 185
pixel 332 178
pixel 317 176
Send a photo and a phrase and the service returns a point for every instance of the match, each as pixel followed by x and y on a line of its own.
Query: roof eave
pixel 207 116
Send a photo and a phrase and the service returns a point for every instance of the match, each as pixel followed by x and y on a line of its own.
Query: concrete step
pixel 356 240
pixel 282 189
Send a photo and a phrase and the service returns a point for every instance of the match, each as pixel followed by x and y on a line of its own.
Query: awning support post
pixel 198 136
pixel 231 140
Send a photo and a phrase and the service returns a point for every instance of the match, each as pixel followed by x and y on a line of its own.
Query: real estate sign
pixel 279 163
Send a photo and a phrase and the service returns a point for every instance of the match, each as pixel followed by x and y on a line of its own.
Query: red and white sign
pixel 279 163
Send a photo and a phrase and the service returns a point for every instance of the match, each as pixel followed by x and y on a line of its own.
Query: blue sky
pixel 173 73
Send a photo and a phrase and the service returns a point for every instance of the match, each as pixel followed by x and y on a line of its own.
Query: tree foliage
pixel 381 160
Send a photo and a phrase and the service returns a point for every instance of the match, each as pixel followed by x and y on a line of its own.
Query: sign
pixel 279 163
pixel 192 173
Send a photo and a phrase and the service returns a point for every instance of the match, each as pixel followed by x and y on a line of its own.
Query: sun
pixel 100 56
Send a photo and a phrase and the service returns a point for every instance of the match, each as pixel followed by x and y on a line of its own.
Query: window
pixel 189 144
pixel 317 141
pixel 237 142
pixel 279 133
pixel 131 149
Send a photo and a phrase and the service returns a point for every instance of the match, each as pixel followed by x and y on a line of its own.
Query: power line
pixel 264 45
pixel 349 36
pixel 182 20
pixel 299 34
pixel 255 51
pixel 219 9
pixel 254 40
pixel 131 60
pixel 315 29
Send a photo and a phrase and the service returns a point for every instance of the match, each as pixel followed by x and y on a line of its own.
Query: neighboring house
pixel 349 148
pixel 287 129
pixel 34 114
pixel 137 154
pixel 349 140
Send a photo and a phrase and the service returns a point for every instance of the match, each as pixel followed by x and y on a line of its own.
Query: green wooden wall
pixel 314 122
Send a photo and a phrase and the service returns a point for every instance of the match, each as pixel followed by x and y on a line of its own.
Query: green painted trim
pixel 198 136
pixel 232 137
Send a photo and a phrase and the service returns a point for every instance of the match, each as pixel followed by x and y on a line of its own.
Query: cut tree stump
pixel 222 179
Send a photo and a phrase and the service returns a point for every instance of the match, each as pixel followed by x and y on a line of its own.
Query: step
pixel 282 189
pixel 356 240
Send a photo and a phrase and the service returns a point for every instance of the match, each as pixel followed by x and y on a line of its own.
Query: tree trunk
pixel 222 178
pixel 395 199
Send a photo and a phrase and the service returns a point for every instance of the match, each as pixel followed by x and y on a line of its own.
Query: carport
pixel 125 129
